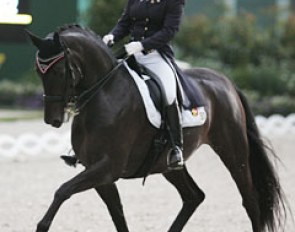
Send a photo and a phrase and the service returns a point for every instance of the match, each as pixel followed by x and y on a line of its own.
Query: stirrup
pixel 175 159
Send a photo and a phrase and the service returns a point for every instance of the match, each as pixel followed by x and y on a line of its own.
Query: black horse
pixel 111 135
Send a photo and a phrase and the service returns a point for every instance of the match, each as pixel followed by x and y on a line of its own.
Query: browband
pixel 44 65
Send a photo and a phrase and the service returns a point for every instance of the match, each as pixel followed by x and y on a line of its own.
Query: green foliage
pixel 196 37
pixel 24 95
pixel 288 37
pixel 267 106
pixel 103 14
pixel 213 9
pixel 258 60
pixel 235 34
pixel 255 58
pixel 265 78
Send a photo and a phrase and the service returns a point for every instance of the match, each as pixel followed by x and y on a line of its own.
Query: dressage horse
pixel 111 135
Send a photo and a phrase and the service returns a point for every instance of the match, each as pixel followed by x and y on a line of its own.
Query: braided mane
pixel 88 33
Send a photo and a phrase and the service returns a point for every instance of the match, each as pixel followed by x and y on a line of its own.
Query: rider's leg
pixel 165 72
pixel 175 158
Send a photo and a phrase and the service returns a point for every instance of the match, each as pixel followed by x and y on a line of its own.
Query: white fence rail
pixel 276 125
pixel 32 144
pixel 55 143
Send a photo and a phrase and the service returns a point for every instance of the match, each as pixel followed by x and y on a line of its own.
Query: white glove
pixel 108 39
pixel 133 47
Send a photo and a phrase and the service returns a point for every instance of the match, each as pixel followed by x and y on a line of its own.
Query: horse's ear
pixel 36 40
pixel 56 39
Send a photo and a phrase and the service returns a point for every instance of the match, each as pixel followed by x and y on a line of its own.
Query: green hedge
pixel 269 105
pixel 259 60
pixel 20 95
pixel 103 15
pixel 235 41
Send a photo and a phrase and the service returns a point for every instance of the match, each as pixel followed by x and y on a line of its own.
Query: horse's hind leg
pixel 192 196
pixel 232 148
pixel 110 195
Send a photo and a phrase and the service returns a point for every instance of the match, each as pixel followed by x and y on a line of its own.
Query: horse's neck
pixel 110 106
pixel 96 68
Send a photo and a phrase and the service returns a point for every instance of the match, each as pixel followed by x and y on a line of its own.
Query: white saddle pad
pixel 190 118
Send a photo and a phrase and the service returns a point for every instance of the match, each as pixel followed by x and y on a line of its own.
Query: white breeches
pixel 163 70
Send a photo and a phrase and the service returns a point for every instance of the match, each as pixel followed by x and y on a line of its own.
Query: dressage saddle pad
pixel 190 117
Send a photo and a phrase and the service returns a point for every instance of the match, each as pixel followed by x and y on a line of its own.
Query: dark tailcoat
pixel 154 23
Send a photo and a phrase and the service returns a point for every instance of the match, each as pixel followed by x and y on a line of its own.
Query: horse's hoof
pixel 42 228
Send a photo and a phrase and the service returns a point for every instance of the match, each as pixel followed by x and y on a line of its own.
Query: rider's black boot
pixel 175 158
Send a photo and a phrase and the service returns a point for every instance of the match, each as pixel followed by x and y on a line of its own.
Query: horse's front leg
pixel 96 175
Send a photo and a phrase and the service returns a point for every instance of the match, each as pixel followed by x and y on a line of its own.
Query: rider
pixel 152 24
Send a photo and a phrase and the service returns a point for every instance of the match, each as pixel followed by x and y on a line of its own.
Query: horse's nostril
pixel 56 123
pixel 46 121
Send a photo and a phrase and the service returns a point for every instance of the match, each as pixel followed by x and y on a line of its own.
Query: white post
pixel 82 7
pixel 231 6
pixel 283 10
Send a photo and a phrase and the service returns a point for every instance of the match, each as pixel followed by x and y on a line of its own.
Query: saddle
pixel 155 86
pixel 187 96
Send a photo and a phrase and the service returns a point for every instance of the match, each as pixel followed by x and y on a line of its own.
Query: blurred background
pixel 252 42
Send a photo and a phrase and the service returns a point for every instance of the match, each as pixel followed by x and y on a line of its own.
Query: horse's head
pixel 50 65
pixel 63 59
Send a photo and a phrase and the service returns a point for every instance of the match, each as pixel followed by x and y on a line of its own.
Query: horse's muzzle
pixel 54 113
pixel 53 118
pixel 54 122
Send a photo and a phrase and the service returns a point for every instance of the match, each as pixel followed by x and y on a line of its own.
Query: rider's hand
pixel 133 47
pixel 108 39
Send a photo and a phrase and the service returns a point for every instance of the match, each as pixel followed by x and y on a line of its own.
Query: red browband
pixel 44 65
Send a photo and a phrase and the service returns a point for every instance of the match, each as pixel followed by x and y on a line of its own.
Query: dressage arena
pixel 31 172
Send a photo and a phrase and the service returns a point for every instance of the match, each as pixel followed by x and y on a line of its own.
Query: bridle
pixel 43 66
pixel 73 103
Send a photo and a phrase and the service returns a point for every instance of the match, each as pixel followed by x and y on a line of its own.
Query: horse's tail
pixel 271 197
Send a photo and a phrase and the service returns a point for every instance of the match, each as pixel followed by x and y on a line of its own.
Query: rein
pixel 92 91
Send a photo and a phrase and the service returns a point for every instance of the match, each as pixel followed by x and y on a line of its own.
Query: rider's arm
pixel 122 28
